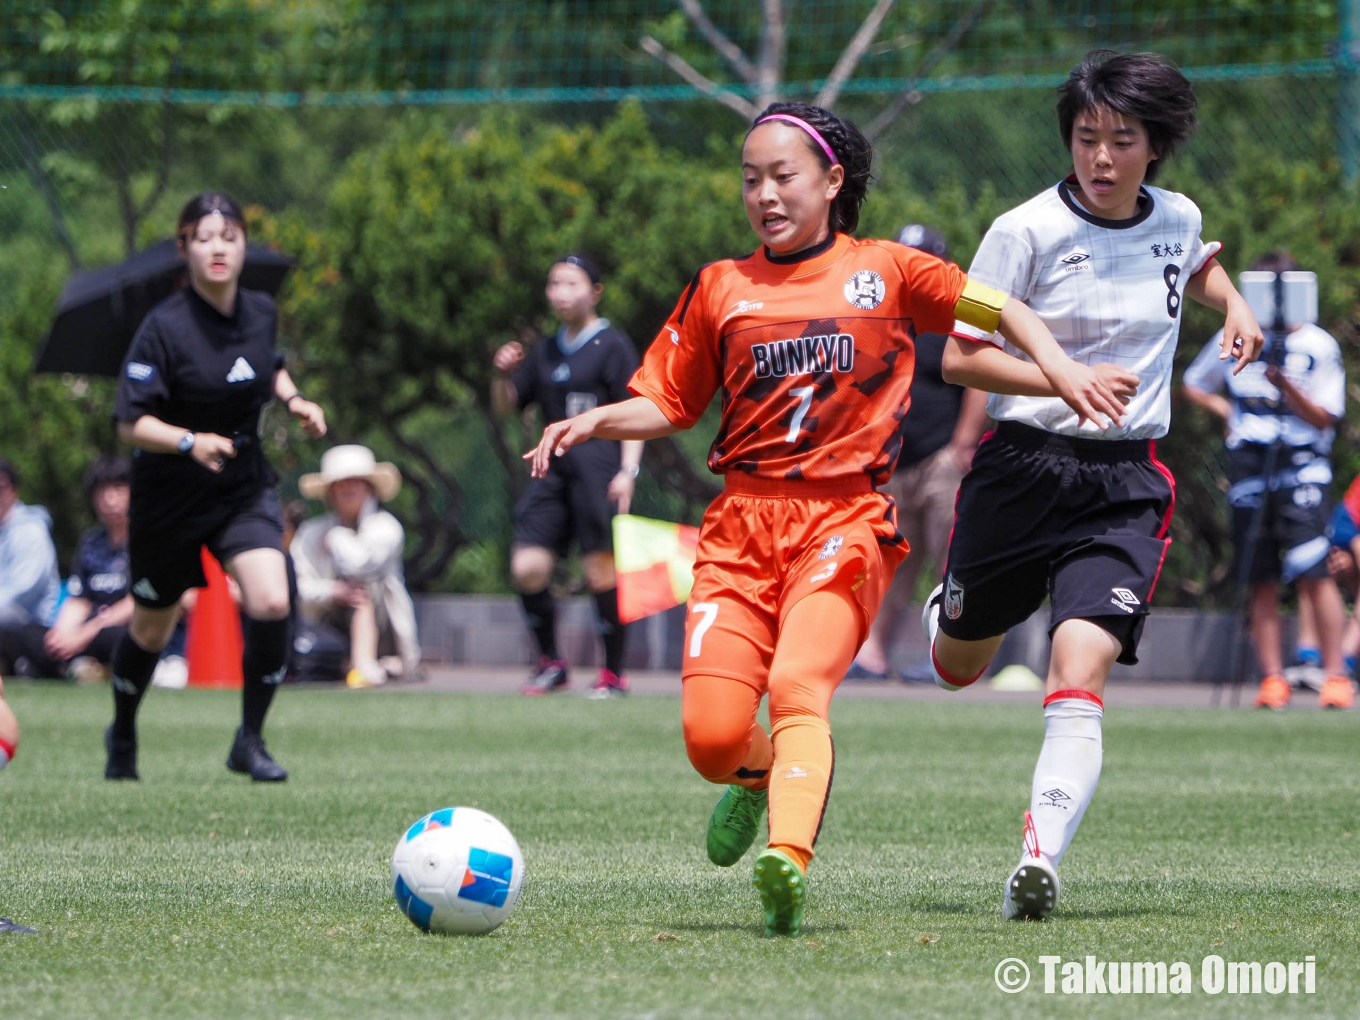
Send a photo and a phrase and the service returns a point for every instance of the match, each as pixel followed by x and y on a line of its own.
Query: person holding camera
pixel 1281 414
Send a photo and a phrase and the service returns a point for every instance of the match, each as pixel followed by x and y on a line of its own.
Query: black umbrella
pixel 100 310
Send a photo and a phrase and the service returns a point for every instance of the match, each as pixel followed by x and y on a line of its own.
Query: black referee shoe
pixel 122 760
pixel 249 757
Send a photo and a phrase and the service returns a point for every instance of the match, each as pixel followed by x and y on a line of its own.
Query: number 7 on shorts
pixel 696 639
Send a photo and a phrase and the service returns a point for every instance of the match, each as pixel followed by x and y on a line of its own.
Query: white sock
pixel 1069 768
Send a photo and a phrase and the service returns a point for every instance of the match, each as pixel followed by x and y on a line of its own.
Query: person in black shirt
pixel 94 615
pixel 586 364
pixel 939 434
pixel 200 372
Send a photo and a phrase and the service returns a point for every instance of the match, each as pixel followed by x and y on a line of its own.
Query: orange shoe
pixel 1274 692
pixel 1337 692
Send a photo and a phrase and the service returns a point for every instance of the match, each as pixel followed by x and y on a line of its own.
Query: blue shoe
pixel 7 925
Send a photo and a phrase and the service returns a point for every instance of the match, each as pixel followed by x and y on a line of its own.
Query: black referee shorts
pixel 571 501
pixel 1083 521
pixel 1292 542
pixel 165 562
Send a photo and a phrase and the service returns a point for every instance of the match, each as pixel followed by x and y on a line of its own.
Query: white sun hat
pixel 340 462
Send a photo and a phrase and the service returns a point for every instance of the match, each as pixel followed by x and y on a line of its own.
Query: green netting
pixel 350 51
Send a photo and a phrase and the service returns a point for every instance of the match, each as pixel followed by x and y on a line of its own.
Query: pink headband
pixel 799 122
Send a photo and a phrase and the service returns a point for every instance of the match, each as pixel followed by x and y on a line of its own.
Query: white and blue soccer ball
pixel 457 871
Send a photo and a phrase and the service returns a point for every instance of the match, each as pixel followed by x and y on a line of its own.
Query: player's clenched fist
pixel 508 357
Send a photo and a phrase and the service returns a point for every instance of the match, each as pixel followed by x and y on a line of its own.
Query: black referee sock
pixel 262 667
pixel 611 630
pixel 132 667
pixel 540 613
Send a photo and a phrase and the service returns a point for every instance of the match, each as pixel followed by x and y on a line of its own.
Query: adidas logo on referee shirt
pixel 241 371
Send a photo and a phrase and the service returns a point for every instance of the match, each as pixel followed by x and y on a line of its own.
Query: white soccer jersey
pixel 1312 362
pixel 1108 290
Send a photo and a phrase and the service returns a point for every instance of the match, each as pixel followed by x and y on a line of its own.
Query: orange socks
pixel 799 784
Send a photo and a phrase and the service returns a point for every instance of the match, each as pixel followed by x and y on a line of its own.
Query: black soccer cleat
pixel 551 677
pixel 122 757
pixel 249 757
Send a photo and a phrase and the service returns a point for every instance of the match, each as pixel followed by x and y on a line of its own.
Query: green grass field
pixel 198 894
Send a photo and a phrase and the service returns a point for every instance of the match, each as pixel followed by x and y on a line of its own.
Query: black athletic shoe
pixel 122 762
pixel 249 757
pixel 7 925
pixel 551 677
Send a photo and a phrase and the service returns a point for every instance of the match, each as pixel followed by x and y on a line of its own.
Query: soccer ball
pixel 457 871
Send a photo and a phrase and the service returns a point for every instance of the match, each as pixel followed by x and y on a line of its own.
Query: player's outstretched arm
pixel 1242 336
pixel 637 418
pixel 984 366
pixel 1079 386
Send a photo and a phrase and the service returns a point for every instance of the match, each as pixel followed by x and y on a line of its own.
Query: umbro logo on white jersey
pixel 1074 257
pixel 241 371
pixel 145 589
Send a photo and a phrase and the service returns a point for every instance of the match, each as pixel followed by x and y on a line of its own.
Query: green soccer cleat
pixel 732 826
pixel 782 888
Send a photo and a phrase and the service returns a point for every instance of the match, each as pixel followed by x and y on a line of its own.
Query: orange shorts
pixel 761 550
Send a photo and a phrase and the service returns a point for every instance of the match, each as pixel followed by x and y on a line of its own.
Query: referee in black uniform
pixel 197 378
pixel 587 363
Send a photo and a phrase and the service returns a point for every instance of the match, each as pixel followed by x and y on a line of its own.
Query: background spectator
pixel 29 586
pixel 349 567
pixel 97 607
pixel 1289 400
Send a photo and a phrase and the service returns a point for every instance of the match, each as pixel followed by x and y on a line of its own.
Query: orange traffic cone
pixel 214 643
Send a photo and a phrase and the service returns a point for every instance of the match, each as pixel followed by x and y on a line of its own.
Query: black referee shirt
pixel 192 366
pixel 565 385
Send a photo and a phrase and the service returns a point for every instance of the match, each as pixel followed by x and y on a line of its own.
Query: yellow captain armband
pixel 980 306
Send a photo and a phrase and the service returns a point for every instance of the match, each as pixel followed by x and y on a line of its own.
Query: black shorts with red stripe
pixel 1082 521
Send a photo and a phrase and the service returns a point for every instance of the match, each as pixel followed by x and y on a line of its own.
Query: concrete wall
pixel 489 630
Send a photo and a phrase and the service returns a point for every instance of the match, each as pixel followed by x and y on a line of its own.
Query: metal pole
pixel 1348 105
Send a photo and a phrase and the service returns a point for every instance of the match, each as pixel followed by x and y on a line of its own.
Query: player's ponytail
pixel 851 149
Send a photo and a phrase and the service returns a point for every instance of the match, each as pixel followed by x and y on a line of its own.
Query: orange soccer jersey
pixel 814 356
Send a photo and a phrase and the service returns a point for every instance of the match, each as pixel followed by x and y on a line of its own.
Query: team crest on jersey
pixel 953 598
pixel 561 373
pixel 865 289
pixel 830 547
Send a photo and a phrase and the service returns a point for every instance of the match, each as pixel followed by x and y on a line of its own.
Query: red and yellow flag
pixel 654 564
